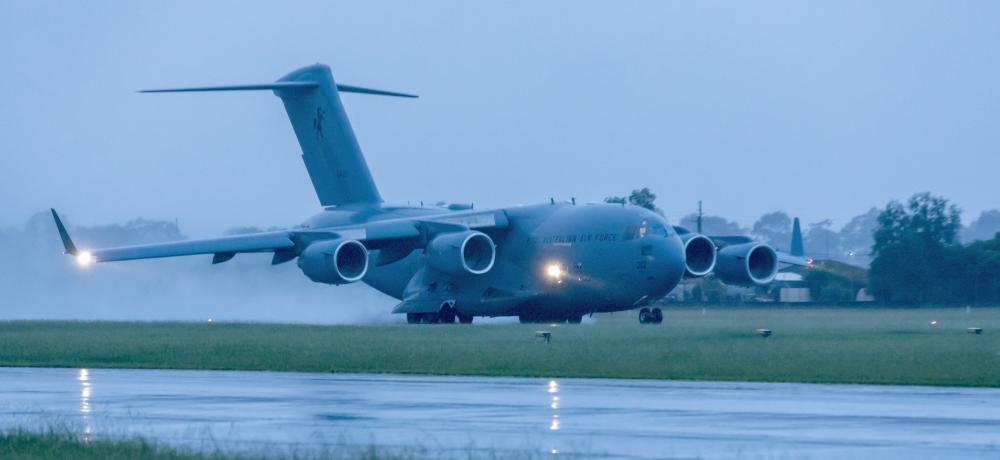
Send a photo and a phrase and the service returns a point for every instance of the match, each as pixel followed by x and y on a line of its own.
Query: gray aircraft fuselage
pixel 609 257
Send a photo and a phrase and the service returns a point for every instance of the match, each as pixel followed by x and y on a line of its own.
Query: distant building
pixel 791 288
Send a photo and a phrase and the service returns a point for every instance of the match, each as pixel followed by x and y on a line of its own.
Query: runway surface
pixel 456 415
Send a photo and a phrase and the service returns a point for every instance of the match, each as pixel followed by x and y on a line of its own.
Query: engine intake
pixel 339 261
pixel 462 253
pixel 699 255
pixel 748 264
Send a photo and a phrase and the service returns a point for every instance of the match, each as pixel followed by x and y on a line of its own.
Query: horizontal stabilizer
pixel 261 87
pixel 279 85
pixel 377 92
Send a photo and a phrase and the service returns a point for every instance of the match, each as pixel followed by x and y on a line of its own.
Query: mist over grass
pixel 37 281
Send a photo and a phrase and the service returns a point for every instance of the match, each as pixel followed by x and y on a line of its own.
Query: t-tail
pixel 330 150
pixel 796 248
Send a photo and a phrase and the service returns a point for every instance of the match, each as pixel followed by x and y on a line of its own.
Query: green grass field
pixel 885 346
pixel 25 445
pixel 59 444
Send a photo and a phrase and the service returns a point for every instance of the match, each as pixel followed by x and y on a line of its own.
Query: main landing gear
pixel 650 316
pixel 447 315
pixel 531 319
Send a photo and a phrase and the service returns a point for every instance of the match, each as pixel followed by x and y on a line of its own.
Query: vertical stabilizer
pixel 330 151
pixel 796 248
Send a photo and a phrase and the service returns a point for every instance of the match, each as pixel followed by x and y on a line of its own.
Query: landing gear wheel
pixel 464 319
pixel 447 315
pixel 657 315
pixel 413 318
pixel 644 316
pixel 430 318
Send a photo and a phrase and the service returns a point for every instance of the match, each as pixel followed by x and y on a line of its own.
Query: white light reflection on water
pixel 554 424
pixel 554 405
pixel 84 378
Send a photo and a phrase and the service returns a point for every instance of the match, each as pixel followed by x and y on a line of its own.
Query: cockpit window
pixel 631 232
pixel 644 230
pixel 659 230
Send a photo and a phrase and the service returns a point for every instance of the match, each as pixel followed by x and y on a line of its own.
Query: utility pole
pixel 699 216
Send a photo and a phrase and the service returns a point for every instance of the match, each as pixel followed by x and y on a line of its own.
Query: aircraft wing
pixel 786 258
pixel 726 240
pixel 224 248
pixel 396 237
pixel 783 257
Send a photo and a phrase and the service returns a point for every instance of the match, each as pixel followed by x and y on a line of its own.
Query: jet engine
pixel 338 261
pixel 462 253
pixel 699 255
pixel 747 264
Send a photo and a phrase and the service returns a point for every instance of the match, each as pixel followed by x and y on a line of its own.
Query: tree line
pixel 919 259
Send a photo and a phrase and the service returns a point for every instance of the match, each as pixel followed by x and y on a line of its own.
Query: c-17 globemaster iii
pixel 548 262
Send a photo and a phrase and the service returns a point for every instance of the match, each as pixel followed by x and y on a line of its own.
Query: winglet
pixel 69 247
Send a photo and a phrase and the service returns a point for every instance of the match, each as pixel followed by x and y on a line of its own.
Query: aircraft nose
pixel 670 267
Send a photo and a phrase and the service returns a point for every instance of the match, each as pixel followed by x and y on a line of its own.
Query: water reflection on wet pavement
pixel 549 417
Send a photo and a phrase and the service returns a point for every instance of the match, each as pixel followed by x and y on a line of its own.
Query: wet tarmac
pixel 251 411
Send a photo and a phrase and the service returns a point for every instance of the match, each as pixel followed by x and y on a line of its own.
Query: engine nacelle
pixel 699 255
pixel 462 253
pixel 339 261
pixel 748 264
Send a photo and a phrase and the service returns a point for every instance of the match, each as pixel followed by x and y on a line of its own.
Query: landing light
pixel 554 271
pixel 84 259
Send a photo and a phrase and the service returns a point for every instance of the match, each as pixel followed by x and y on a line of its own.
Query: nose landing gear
pixel 650 316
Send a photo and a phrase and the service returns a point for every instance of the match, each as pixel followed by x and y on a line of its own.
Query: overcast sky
pixel 821 110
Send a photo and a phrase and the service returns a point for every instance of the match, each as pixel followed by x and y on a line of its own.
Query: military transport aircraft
pixel 549 262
